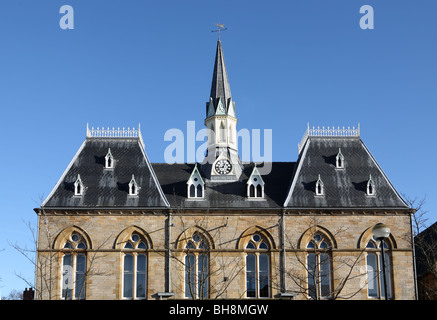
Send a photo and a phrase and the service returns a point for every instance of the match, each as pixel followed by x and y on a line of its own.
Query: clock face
pixel 223 166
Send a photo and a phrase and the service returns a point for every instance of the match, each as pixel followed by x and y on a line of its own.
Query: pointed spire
pixel 220 85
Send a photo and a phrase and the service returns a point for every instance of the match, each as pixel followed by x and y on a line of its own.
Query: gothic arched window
pixel 320 188
pixel 375 284
pixel 74 261
pixel 257 267
pixel 196 267
pixel 135 267
pixel 319 267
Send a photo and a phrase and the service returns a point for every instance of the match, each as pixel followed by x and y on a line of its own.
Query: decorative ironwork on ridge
pixel 328 132
pixel 114 133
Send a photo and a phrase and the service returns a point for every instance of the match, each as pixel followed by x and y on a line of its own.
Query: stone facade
pixel 347 232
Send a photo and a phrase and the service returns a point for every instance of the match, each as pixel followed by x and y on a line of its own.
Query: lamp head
pixel 381 231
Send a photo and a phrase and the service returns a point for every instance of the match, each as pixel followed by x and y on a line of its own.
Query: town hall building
pixel 116 226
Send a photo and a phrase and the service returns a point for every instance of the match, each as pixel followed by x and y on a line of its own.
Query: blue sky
pixel 151 62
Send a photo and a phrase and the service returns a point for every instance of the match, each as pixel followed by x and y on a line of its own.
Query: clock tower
pixel 222 162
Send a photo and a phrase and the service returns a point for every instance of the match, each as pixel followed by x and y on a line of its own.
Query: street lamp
pixel 381 232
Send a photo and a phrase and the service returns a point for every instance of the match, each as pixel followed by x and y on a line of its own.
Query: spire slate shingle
pixel 220 85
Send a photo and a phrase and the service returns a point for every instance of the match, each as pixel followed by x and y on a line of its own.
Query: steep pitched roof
pixel 345 187
pixel 231 195
pixel 108 187
pixel 220 85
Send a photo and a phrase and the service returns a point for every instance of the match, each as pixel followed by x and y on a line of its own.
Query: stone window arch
pixel 257 244
pixel 73 244
pixel 318 243
pixel 134 245
pixel 196 244
pixel 374 265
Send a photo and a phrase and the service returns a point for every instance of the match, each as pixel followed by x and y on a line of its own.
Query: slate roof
pixel 173 179
pixel 220 87
pixel 108 187
pixel 289 184
pixel 344 188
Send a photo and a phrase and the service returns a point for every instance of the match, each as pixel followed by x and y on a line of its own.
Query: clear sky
pixel 151 62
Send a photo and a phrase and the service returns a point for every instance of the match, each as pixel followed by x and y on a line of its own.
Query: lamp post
pixel 381 232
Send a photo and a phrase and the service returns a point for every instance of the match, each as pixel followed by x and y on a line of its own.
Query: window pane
pixel 199 191
pixel 67 277
pixel 251 191
pixel 325 275
pixel 311 265
pixel 387 275
pixel 250 245
pixel 202 278
pixel 371 245
pixel 81 245
pixel 263 245
pixel 263 276
pixel 190 245
pixel 250 276
pixel 372 276
pixel 190 274
pixel 128 277
pixel 141 276
pixel 192 191
pixel 80 276
pixel 142 245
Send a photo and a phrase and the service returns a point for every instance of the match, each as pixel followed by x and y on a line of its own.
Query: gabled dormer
pixel 195 185
pixel 134 189
pixel 320 187
pixel 79 188
pixel 339 160
pixel 370 186
pixel 255 185
pixel 109 160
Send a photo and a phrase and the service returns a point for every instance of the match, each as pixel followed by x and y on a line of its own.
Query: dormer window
pixel 133 187
pixel 195 185
pixel 339 160
pixel 78 186
pixel 109 160
pixel 370 186
pixel 255 185
pixel 320 189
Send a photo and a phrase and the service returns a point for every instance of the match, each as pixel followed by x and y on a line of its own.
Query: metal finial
pixel 220 28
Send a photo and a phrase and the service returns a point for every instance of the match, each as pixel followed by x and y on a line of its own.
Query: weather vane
pixel 220 28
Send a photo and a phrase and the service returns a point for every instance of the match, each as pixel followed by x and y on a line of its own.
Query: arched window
pixel 375 280
pixel 319 267
pixel 320 188
pixel 222 132
pixel 78 186
pixel 339 160
pixel 257 267
pixel 370 186
pixel 133 187
pixel 196 267
pixel 135 267
pixel 74 270
pixel 109 160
